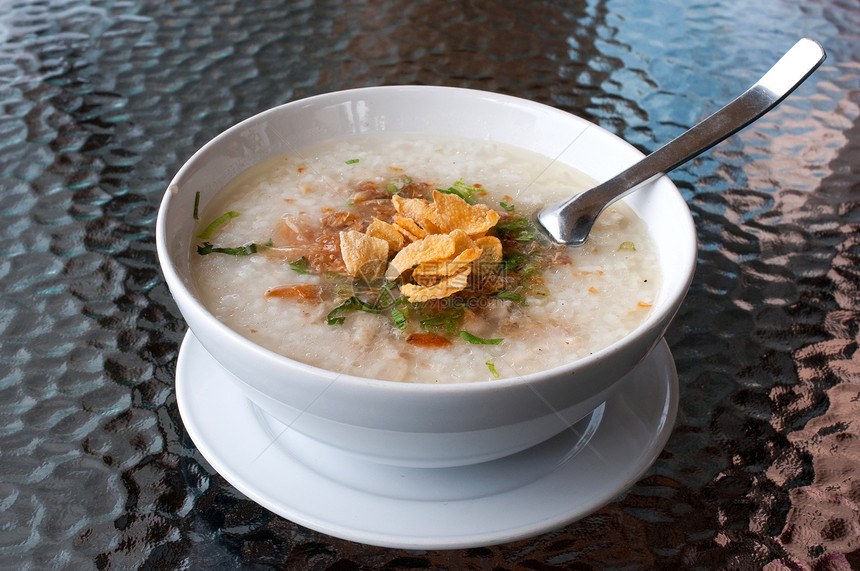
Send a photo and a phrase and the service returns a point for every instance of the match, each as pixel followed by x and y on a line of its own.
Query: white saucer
pixel 520 496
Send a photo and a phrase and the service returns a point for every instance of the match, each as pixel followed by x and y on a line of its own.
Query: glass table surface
pixel 101 102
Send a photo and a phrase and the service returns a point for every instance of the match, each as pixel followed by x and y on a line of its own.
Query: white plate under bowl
pixel 512 498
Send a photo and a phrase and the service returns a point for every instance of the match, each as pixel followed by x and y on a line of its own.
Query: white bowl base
pixel 511 498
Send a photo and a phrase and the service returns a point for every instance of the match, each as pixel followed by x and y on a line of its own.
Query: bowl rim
pixel 658 318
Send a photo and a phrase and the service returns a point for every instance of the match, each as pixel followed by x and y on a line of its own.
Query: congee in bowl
pixel 365 265
pixel 415 258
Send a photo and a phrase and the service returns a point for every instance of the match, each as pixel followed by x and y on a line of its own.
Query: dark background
pixel 101 103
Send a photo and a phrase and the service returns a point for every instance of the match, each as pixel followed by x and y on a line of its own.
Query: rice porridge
pixel 415 258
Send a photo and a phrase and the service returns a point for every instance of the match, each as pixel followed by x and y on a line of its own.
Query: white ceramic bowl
pixel 422 424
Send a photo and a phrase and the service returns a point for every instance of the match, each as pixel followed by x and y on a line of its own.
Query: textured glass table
pixel 103 101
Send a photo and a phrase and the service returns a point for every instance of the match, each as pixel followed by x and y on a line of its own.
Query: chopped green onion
pixel 539 290
pixel 352 304
pixel 196 205
pixel 207 232
pixel 391 189
pixel 463 190
pixel 514 225
pixel 475 340
pixel 492 369
pixel 520 263
pixel 300 266
pixel 512 296
pixel 627 246
pixel 460 185
pixel 350 202
pixel 528 271
pixel 352 161
pixel 247 250
pixel 514 260
pixel 385 299
pixel 507 207
pixel 452 190
pixel 520 229
pixel 447 319
pixel 399 318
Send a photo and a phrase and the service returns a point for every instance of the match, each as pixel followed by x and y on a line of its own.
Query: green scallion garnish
pixel 207 232
pixel 627 246
pixel 208 248
pixel 452 190
pixel 475 340
pixel 335 316
pixel 512 296
pixel 399 317
pixel 519 229
pixel 384 298
pixel 196 206
pixel 300 266
pixel 507 207
pixel 245 250
pixel 514 260
pixel 449 319
pixel 463 190
pixel 528 271
pixel 352 161
pixel 492 369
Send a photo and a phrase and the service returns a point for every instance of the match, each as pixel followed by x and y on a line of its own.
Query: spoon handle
pixel 570 221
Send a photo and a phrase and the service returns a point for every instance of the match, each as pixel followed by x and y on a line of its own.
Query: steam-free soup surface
pixel 268 263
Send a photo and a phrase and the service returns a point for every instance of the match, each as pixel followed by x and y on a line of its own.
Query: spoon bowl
pixel 569 222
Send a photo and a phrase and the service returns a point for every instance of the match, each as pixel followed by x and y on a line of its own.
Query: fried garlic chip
pixel 446 244
pixel 364 256
pixel 387 232
pixel 462 242
pixel 455 213
pixel 486 266
pixel 420 211
pixel 448 286
pixel 491 249
pixel 433 247
pixel 409 228
pixel 428 272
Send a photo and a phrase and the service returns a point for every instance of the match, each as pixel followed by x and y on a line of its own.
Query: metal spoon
pixel 569 222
